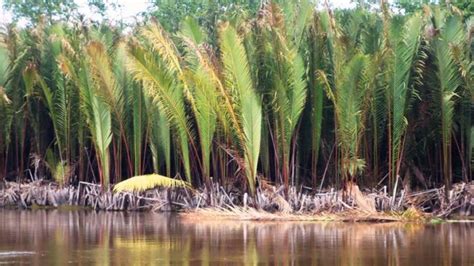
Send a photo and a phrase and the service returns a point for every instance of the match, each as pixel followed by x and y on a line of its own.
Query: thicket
pixel 282 92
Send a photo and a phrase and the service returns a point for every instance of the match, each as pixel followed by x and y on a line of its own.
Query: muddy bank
pixel 268 204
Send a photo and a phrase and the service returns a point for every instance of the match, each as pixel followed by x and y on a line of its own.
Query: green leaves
pixel 450 39
pixel 281 81
pixel 247 105
pixel 243 95
pixel 101 129
pixel 406 41
pixel 349 97
pixel 168 94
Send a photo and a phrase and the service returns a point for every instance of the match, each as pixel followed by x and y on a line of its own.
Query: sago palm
pixel 284 86
pixel 245 109
pixel 450 38
pixel 404 40
pixel 158 81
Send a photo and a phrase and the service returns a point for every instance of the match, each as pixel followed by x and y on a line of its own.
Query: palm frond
pixel 407 40
pixel 164 46
pixel 104 77
pixel 167 94
pixel 239 82
pixel 190 28
pixel 159 137
pixel 201 61
pixel 205 98
pixel 145 182
pixel 282 79
pixel 349 97
pixel 206 117
pixel 450 38
pixel 296 92
pixel 101 130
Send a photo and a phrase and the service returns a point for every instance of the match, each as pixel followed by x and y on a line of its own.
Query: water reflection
pixel 83 237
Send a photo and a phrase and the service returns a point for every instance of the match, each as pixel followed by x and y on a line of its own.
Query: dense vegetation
pixel 283 92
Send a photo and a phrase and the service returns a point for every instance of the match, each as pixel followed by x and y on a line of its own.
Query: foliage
pixel 404 46
pixel 279 90
pixel 144 182
pixel 247 110
pixel 57 9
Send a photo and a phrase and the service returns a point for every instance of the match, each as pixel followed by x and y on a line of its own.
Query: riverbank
pixel 268 204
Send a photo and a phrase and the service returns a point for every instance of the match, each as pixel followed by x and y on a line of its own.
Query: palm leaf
pixel 144 182
pixel 205 99
pixel 96 111
pixel 407 40
pixel 134 113
pixel 450 38
pixel 206 102
pixel 239 82
pixel 286 83
pixel 6 112
pixel 190 28
pixel 349 98
pixel 164 46
pixel 159 137
pixel 167 94
pixel 101 130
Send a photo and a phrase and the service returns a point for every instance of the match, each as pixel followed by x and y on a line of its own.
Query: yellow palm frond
pixel 4 96
pixel 144 182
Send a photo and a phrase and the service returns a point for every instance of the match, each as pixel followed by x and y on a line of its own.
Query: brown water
pixel 89 238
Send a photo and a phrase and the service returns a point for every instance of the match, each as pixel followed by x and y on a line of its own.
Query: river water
pixel 55 237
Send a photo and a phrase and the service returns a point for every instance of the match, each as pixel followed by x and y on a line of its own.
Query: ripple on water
pixel 9 254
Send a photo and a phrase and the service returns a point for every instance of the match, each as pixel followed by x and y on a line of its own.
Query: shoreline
pixel 268 204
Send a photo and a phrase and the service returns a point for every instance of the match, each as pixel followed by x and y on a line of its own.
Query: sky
pixel 130 8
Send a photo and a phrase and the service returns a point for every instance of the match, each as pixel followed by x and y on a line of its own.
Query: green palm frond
pixel 204 93
pixel 167 94
pixel 349 97
pixel 206 118
pixel 96 111
pixel 6 112
pixel 282 79
pixel 296 17
pixel 106 86
pixel 57 93
pixel 105 82
pixel 450 38
pixel 159 137
pixel 55 102
pixel 144 182
pixel 101 130
pixel 407 40
pixel 4 65
pixel 165 47
pixel 190 28
pixel 135 115
pixel 239 82
pixel 200 61
pixel 296 91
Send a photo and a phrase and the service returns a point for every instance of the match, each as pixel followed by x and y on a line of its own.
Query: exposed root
pixel 268 204
pixel 48 194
